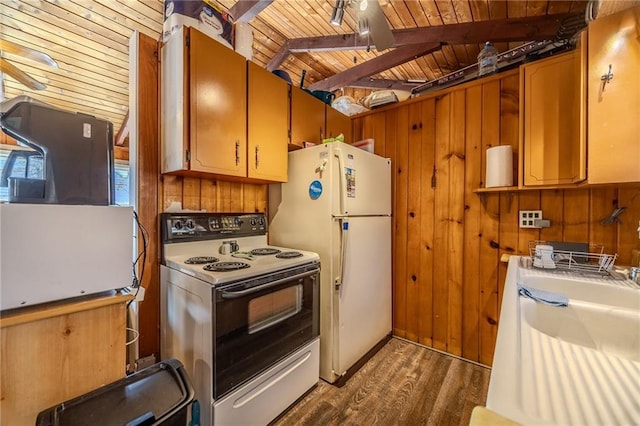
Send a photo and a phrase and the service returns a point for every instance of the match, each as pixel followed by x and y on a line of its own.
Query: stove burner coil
pixel 288 254
pixel 264 251
pixel 199 260
pixel 225 266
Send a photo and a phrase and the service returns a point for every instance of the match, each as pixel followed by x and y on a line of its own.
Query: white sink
pixel 567 365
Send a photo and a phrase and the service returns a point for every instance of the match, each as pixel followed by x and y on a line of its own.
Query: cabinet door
pixel 268 125
pixel 551 121
pixel 307 117
pixel 614 106
pixel 338 123
pixel 218 107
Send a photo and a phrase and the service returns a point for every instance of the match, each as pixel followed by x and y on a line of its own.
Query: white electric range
pixel 242 316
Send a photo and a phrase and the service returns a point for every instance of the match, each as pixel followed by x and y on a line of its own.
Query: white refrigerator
pixel 337 203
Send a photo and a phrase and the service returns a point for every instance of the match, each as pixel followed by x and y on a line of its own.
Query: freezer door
pixel 364 186
pixel 362 303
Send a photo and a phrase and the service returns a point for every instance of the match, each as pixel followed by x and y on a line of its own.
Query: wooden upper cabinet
pixel 307 117
pixel 218 92
pixel 268 124
pixel 614 98
pixel 338 123
pixel 552 137
pixel 203 104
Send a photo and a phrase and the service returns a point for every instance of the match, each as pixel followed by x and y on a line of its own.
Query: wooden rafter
pixel 382 83
pixel 123 133
pixel 380 63
pixel 499 30
pixel 246 10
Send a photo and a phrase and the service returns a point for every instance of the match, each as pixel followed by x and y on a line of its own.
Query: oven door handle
pixel 240 293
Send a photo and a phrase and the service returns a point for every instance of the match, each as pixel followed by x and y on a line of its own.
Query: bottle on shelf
pixel 487 60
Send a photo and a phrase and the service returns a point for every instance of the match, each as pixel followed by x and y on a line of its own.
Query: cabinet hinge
pixel 187 155
pixel 187 40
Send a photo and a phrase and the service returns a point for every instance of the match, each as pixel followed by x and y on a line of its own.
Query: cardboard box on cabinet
pixel 206 16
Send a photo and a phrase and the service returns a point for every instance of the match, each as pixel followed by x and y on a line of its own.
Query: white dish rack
pixel 594 261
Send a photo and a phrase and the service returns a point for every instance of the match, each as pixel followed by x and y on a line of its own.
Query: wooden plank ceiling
pixel 89 40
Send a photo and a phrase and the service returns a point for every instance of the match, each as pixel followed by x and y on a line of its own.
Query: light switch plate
pixel 527 218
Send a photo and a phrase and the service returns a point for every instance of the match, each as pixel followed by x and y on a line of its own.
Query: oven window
pixel 270 309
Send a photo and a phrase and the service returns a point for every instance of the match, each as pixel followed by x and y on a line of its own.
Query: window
pixel 35 168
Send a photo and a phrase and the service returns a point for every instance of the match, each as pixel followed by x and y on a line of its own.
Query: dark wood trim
pixel 380 63
pixel 147 191
pixel 246 10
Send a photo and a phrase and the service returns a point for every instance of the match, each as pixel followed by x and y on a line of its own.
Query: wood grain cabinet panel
pixel 203 104
pixel 614 105
pixel 268 125
pixel 52 353
pixel 552 137
pixel 307 118
pixel 218 103
pixel 338 123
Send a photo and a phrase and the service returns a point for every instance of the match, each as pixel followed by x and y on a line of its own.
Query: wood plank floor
pixel 402 384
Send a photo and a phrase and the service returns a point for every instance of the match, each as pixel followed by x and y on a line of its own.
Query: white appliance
pixel 241 316
pixel 337 202
pixel 50 252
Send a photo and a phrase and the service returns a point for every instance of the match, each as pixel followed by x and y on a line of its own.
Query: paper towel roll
pixel 499 171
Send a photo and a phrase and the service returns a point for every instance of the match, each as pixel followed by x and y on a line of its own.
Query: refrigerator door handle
pixel 343 181
pixel 344 227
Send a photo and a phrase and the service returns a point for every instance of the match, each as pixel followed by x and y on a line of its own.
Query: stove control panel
pixel 176 227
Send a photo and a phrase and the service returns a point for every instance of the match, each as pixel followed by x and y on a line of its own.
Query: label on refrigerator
pixel 351 182
pixel 315 189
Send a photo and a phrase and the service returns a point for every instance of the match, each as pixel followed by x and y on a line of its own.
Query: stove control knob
pixel 261 221
pixel 190 225
pixel 177 225
pixel 253 221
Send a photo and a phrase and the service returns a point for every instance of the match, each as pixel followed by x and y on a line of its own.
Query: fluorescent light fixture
pixel 363 26
pixel 337 13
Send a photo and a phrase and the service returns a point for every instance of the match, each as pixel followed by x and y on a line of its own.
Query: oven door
pixel 262 320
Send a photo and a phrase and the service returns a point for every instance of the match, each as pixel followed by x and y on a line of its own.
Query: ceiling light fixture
pixel 337 13
pixel 363 5
pixel 363 26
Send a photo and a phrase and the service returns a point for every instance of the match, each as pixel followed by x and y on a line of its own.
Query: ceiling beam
pixel 498 30
pixel 246 10
pixel 381 83
pixel 380 63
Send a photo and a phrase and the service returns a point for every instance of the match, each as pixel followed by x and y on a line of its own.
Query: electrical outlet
pixel 528 218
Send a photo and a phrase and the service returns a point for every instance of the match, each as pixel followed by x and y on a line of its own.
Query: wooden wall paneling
pixel 399 120
pixel 489 229
pixel 208 195
pixel 427 191
pixel 190 193
pixel 552 206
pixel 414 222
pixel 356 128
pixel 509 135
pixel 629 197
pixel 170 190
pixel 472 215
pixel 455 245
pixel 602 202
pixel 576 215
pixel 528 200
pixel 441 223
pixel 378 133
pixel 147 191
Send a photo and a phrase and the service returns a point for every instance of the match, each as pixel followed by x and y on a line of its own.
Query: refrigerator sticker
pixel 315 189
pixel 350 160
pixel 351 182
